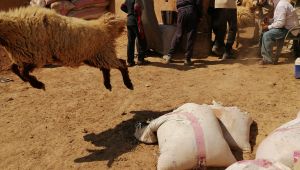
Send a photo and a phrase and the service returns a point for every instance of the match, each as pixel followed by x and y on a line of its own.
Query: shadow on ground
pixel 118 140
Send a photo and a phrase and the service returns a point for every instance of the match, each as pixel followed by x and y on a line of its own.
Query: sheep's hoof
pixel 108 86
pixel 38 85
pixel 129 86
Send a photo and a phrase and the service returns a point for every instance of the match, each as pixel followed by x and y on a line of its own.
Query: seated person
pixel 284 19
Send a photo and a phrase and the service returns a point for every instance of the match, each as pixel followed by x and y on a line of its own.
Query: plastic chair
pixel 289 37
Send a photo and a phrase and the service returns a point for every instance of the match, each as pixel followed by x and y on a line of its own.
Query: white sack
pixel 235 125
pixel 258 164
pixel 282 145
pixel 296 160
pixel 178 138
pixel 41 3
pixel 62 7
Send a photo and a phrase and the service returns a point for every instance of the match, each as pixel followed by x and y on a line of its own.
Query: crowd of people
pixel 223 15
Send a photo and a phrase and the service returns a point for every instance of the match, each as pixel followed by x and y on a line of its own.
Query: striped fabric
pixel 49 2
pixel 62 7
pixel 90 3
pixel 88 13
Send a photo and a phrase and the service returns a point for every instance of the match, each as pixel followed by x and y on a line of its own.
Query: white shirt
pixel 284 15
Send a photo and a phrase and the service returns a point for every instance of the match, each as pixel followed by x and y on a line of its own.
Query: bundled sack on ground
pixel 62 7
pixel 85 9
pixel 282 145
pixel 40 3
pixel 80 4
pixel 49 2
pixel 258 164
pixel 87 13
pixel 297 161
pixel 89 9
pixel 188 137
pixel 235 126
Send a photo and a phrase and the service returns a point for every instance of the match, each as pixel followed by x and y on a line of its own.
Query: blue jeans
pixel 268 40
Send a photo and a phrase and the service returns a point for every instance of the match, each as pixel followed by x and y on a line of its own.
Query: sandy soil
pixel 77 124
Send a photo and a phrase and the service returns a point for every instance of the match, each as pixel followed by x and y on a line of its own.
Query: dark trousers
pixel 220 18
pixel 186 23
pixel 296 48
pixel 132 33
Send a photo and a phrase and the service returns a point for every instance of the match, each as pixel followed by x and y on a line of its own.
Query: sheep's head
pixel 115 25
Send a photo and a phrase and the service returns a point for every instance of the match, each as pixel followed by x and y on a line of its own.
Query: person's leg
pixel 191 28
pixel 232 22
pixel 268 41
pixel 296 48
pixel 219 25
pixel 178 34
pixel 131 45
pixel 142 46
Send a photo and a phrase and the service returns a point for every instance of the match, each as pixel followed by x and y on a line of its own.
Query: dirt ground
pixel 78 124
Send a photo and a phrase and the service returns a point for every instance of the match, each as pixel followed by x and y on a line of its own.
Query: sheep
pixel 34 37
pixel 252 13
pixel 245 18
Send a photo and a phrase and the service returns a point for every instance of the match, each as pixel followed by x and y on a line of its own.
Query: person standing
pixel 223 12
pixel 134 31
pixel 189 12
pixel 284 19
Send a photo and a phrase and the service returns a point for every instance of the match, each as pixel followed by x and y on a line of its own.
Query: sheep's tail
pixel 114 24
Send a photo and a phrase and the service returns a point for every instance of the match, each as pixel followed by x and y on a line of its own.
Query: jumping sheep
pixel 34 37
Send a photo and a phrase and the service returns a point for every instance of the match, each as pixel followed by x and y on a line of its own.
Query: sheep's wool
pixel 41 36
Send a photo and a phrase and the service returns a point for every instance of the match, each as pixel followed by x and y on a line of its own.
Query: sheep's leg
pixel 237 42
pixel 106 78
pixel 105 72
pixel 31 79
pixel 15 69
pixel 124 71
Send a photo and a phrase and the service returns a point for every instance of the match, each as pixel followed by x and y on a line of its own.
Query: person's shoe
pixel 188 62
pixel 216 50
pixel 131 64
pixel 228 54
pixel 167 59
pixel 143 62
pixel 264 62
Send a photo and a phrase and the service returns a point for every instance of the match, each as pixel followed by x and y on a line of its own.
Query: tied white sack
pixel 188 137
pixel 62 7
pixel 257 164
pixel 40 3
pixel 235 126
pixel 282 145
